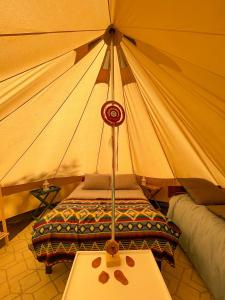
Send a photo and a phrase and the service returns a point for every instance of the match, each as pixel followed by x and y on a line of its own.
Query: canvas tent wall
pixel 169 76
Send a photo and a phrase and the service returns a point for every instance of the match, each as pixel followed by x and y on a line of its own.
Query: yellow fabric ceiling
pixel 170 82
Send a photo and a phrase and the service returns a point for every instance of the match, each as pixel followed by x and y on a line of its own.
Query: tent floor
pixel 22 277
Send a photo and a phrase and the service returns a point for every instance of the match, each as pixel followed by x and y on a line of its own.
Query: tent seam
pixel 74 49
pixel 59 108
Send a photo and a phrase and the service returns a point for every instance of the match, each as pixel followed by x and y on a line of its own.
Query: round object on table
pixel 113 113
pixel 118 274
pixel 96 262
pixel 103 277
pixel 130 262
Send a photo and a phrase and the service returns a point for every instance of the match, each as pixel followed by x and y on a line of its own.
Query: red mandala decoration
pixel 113 113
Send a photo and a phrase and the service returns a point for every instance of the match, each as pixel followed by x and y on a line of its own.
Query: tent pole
pixel 113 136
pixel 113 183
pixel 112 256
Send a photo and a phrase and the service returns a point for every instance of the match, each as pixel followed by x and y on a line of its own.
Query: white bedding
pixel 203 239
pixel 80 193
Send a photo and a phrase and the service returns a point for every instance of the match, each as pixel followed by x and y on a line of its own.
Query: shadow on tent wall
pixel 29 182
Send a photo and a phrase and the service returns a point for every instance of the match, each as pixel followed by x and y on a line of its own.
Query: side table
pixel 42 196
pixel 150 191
pixel 144 279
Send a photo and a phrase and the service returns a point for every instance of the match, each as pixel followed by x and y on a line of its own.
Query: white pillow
pixel 96 182
pixel 126 182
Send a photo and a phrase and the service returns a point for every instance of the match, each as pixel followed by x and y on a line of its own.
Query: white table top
pixel 145 279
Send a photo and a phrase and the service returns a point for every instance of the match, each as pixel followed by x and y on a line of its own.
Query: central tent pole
pixel 113 183
pixel 113 114
pixel 113 135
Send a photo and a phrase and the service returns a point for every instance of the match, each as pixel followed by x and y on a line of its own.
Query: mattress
pixel 85 224
pixel 203 239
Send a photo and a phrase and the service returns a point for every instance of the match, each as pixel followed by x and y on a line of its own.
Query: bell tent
pixel 58 67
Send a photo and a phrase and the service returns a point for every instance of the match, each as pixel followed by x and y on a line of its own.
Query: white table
pixel 145 279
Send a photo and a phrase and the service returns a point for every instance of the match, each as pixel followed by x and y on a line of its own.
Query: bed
pixel 83 222
pixel 203 237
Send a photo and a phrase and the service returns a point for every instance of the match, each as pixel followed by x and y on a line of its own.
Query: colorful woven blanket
pixel 76 225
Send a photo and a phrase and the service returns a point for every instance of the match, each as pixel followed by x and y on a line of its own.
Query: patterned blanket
pixel 76 225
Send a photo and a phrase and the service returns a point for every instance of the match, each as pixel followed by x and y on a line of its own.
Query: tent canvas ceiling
pixel 169 75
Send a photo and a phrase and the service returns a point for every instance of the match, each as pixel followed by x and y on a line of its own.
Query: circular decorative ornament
pixel 113 113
